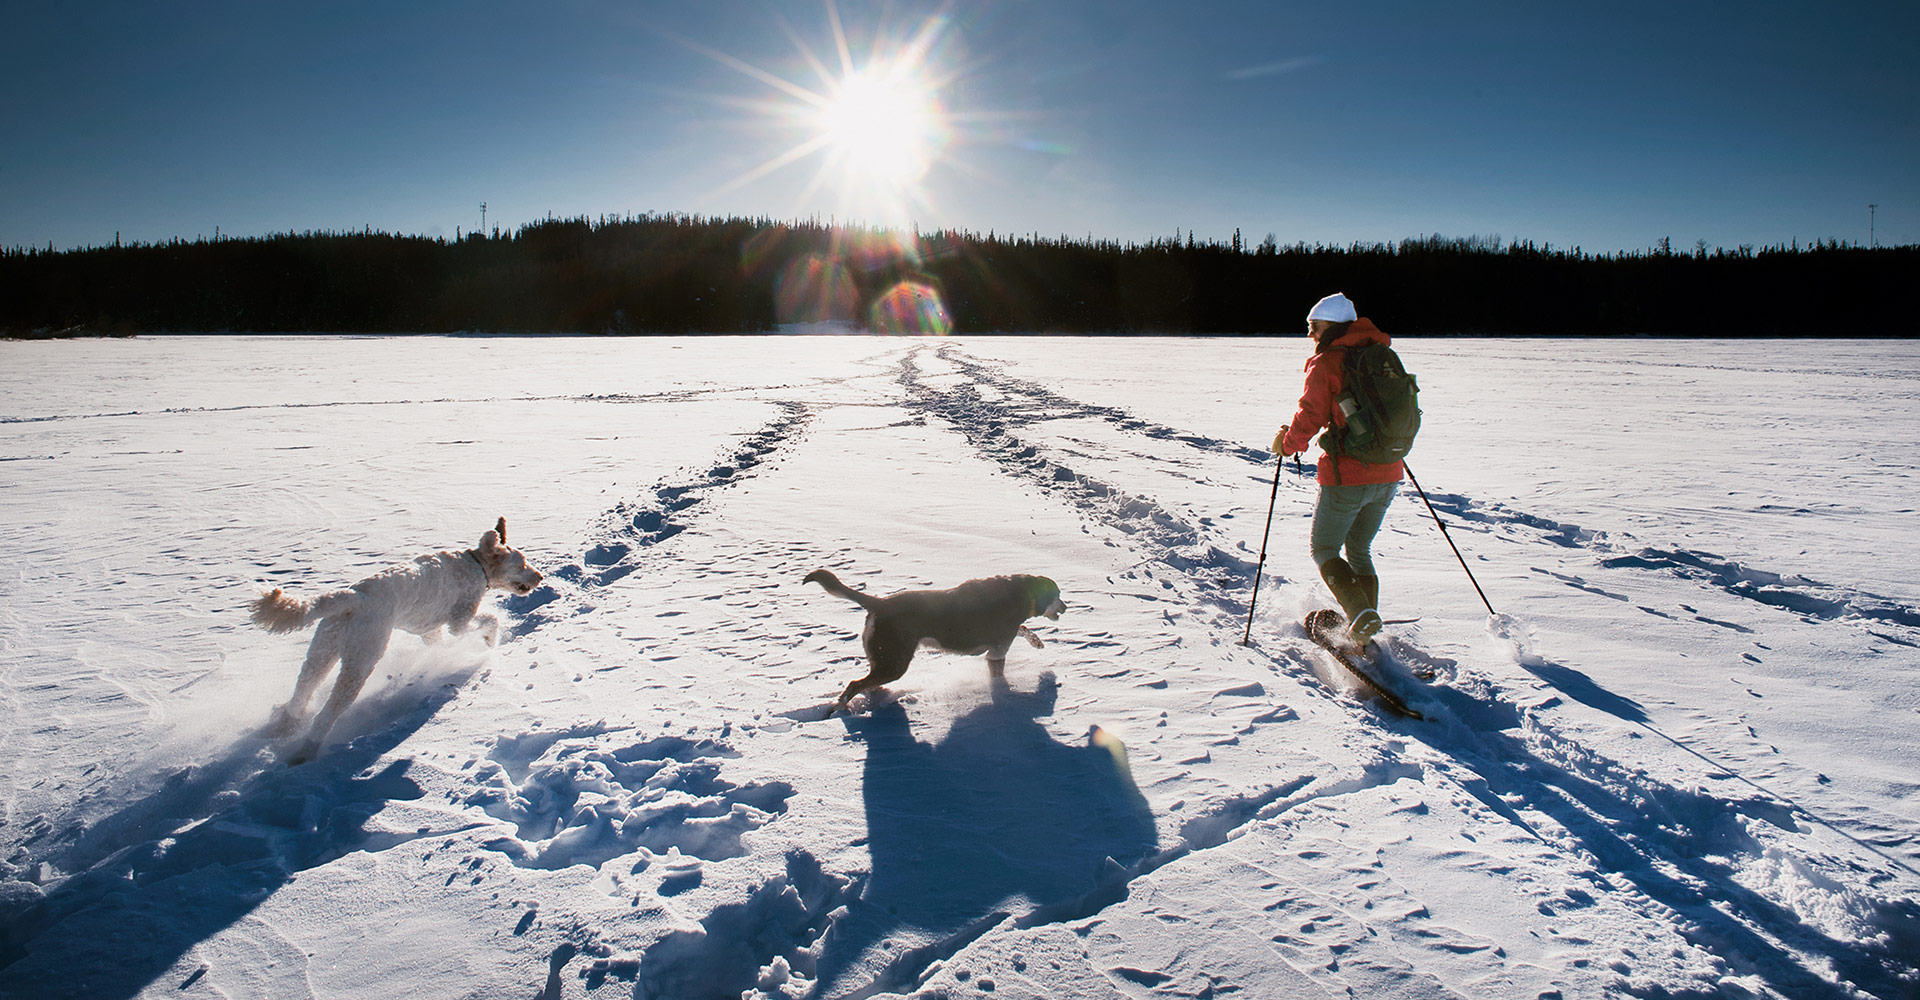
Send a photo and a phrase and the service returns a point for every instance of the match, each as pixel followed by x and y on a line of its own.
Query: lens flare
pixel 815 289
pixel 911 307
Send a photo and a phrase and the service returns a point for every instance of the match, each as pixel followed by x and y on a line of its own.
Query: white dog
pixel 441 590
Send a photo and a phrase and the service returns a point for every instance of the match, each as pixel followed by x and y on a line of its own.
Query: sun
pixel 873 120
pixel 881 124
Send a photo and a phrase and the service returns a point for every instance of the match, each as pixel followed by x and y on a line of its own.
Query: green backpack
pixel 1382 405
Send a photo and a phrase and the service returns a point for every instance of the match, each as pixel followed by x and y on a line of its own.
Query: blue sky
pixel 1606 126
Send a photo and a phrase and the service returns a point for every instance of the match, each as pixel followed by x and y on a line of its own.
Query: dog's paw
pixel 282 722
pixel 1027 634
pixel 489 630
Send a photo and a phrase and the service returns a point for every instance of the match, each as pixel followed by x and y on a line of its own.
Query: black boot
pixel 1345 586
pixel 1367 623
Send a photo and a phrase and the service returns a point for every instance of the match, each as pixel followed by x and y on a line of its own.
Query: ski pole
pixel 1449 538
pixel 1264 532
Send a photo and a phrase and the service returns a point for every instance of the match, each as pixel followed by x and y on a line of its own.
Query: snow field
pixel 1646 776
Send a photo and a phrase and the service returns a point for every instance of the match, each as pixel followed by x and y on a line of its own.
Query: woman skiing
pixel 1354 495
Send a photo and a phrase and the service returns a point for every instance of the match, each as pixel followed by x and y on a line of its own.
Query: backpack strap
pixel 1333 441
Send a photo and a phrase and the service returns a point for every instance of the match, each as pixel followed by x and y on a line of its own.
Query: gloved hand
pixel 1279 441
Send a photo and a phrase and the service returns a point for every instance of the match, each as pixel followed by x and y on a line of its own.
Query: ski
pixel 1324 628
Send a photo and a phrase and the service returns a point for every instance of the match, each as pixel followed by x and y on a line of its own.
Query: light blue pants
pixel 1350 516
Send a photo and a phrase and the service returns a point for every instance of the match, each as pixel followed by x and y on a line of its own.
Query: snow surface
pixel 1681 760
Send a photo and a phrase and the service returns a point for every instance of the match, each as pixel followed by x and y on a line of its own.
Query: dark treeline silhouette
pixel 689 274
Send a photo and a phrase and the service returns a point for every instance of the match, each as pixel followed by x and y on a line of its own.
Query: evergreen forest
pixel 677 274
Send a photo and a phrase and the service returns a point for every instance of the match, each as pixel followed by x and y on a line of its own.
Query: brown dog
pixel 978 616
pixel 438 591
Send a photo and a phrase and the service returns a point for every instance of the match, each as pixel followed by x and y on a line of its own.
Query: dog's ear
pixel 500 528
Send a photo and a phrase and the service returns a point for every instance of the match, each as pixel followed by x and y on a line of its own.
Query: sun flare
pixel 873 120
pixel 882 125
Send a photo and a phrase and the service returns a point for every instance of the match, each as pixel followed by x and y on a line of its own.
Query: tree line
pixel 671 273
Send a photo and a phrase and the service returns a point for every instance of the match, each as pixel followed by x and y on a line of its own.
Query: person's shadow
pixel 998 818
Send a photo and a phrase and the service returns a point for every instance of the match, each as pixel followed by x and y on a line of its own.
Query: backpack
pixel 1382 405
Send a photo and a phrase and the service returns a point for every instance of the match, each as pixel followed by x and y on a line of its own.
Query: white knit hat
pixel 1336 308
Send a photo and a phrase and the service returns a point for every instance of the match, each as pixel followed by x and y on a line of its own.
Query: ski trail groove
pixel 629 528
pixel 1665 849
pixel 1568 795
pixel 1161 534
pixel 1794 593
pixel 664 396
pixel 1812 599
pixel 1046 403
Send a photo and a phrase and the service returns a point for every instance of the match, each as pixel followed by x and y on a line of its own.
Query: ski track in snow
pixel 593 794
pixel 671 396
pixel 1598 805
pixel 630 527
pixel 1790 592
pixel 1588 805
pixel 1782 590
pixel 989 425
pixel 1582 792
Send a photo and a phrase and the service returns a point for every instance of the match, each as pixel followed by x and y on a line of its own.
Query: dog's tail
pixel 835 587
pixel 277 612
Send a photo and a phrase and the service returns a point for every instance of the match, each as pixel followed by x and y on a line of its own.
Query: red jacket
pixel 1324 382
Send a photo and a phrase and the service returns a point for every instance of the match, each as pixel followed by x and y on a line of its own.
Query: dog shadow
pixel 196 855
pixel 996 818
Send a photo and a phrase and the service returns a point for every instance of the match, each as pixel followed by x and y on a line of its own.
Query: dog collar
pixel 475 554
